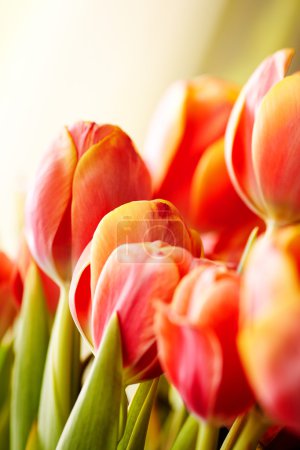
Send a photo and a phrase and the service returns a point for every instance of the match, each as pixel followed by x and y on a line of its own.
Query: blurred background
pixel 110 61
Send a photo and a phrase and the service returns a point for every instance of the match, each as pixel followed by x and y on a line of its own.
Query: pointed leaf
pixel 31 349
pixel 61 375
pixel 94 421
pixel 138 417
pixel 188 435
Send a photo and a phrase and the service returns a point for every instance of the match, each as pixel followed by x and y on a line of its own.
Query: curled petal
pixel 80 299
pixel 102 181
pixel 238 139
pixel 48 236
pixel 276 149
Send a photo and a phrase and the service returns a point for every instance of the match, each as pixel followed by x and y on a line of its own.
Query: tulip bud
pixel 88 171
pixel 196 335
pixel 262 141
pixel 269 337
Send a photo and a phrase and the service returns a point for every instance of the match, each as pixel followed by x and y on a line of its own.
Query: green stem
pixel 251 239
pixel 61 377
pixel 233 433
pixel 208 435
pixel 255 426
pixel 188 434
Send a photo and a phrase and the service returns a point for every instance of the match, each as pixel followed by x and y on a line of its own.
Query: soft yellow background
pixel 109 61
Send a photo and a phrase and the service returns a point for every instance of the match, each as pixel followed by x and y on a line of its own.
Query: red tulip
pixel 263 141
pixel 88 171
pixel 185 154
pixel 138 254
pixel 196 337
pixel 51 289
pixel 269 338
pixel 8 306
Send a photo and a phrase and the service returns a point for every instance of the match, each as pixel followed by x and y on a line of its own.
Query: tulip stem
pixel 233 433
pixel 251 239
pixel 208 435
pixel 255 426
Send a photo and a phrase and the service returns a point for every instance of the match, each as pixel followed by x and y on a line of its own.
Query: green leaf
pixel 94 421
pixel 138 417
pixel 6 362
pixel 33 439
pixel 30 355
pixel 187 436
pixel 61 376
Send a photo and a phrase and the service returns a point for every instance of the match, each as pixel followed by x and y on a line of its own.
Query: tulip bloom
pixel 269 338
pixel 196 335
pixel 88 171
pixel 138 254
pixel 262 141
pixel 184 151
pixel 8 306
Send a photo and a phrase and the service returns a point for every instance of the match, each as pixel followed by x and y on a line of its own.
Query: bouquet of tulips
pixel 155 299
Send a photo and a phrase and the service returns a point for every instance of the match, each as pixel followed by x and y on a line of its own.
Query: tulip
pixel 22 264
pixel 138 254
pixel 269 337
pixel 184 151
pixel 8 306
pixel 262 142
pixel 88 171
pixel 196 336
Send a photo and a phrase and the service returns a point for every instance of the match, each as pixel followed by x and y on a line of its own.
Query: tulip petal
pixel 80 294
pixel 87 134
pixel 196 378
pixel 139 221
pixel 132 278
pixel 271 354
pixel 276 150
pixel 215 205
pixel 48 201
pixel 109 174
pixel 165 132
pixel 202 109
pixel 238 139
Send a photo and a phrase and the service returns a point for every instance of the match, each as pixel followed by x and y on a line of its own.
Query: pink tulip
pixel 88 171
pixel 184 151
pixel 138 254
pixel 263 141
pixel 196 336
pixel 269 338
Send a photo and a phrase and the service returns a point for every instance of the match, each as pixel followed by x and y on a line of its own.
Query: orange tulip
pixel 196 335
pixel 8 306
pixel 269 338
pixel 262 141
pixel 185 154
pixel 88 171
pixel 138 254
